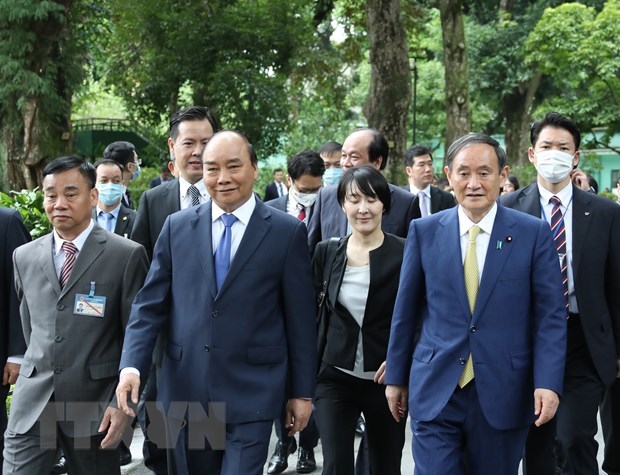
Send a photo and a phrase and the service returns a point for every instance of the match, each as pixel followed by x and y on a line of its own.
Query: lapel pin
pixel 499 245
pixel 587 213
pixel 124 218
pixel 509 239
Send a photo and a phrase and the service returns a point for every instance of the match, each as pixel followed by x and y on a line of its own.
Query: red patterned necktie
pixel 302 214
pixel 70 250
pixel 559 236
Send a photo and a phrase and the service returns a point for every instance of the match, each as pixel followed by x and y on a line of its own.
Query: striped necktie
pixel 559 236
pixel 70 250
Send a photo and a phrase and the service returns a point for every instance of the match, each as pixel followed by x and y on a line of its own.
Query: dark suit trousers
pixel 308 438
pixel 340 398
pixel 610 420
pixel 576 416
pixel 460 440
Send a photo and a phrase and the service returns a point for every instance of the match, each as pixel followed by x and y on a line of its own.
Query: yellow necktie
pixel 470 270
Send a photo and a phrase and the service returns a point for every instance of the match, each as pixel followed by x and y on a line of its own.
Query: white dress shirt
pixel 186 199
pixel 566 197
pixel 425 198
pixel 482 241
pixel 59 254
pixel 243 214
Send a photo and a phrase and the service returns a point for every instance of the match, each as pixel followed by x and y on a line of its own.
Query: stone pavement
pixel 138 468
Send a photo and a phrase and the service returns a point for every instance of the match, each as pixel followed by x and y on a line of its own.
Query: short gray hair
pixel 471 139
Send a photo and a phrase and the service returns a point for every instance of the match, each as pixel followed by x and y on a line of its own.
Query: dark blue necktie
pixel 222 254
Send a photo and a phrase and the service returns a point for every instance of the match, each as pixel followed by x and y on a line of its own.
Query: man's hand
pixel 380 374
pixel 397 400
pixel 580 179
pixel 10 373
pixel 298 412
pixel 545 404
pixel 128 386
pixel 115 422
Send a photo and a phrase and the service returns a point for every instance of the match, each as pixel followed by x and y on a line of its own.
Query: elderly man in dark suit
pixel 111 214
pixel 362 147
pixel 13 234
pixel 76 286
pixel 480 284
pixel 587 231
pixel 420 173
pixel 247 334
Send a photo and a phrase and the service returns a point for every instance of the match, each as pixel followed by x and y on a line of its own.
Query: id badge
pixel 89 306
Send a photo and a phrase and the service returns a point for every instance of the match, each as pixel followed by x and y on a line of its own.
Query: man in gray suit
pixel 64 394
pixel 362 147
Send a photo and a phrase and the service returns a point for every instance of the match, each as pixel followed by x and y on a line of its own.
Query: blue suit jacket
pixel 241 344
pixel 517 334
pixel 328 220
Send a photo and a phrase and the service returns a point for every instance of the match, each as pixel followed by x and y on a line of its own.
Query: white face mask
pixel 304 199
pixel 554 165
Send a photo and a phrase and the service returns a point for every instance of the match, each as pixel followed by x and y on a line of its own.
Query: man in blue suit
pixel 230 285
pixel 482 284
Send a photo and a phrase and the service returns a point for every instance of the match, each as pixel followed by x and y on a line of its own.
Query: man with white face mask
pixel 587 231
pixel 305 177
pixel 111 214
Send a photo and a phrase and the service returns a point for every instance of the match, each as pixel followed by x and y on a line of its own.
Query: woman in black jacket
pixel 362 281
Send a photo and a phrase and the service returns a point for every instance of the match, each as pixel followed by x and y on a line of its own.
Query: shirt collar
pixel 414 189
pixel 114 212
pixel 184 186
pixel 565 194
pixel 243 213
pixel 78 241
pixel 485 224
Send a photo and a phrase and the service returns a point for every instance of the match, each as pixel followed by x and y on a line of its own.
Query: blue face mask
pixel 332 176
pixel 136 174
pixel 110 193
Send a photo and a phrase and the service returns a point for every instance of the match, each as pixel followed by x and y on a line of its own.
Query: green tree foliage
pixel 29 203
pixel 577 47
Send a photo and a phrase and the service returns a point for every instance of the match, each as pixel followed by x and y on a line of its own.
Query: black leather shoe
pixel 306 462
pixel 279 460
pixel 60 466
pixel 124 454
pixel 361 426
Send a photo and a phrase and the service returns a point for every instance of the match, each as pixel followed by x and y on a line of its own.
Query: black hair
pixel 121 152
pixel 306 162
pixel 416 151
pixel 378 147
pixel 555 119
pixel 192 113
pixel 369 181
pixel 277 170
pixel 107 161
pixel 471 139
pixel 330 147
pixel 69 162
pixel 512 178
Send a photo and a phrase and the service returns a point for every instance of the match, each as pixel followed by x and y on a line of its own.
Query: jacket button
pixel 207 349
pixel 472 329
pixel 462 360
pixel 58 369
pixel 214 314
pixel 60 307
pixel 58 339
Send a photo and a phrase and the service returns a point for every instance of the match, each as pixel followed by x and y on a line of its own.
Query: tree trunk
pixel 458 115
pixel 390 90
pixel 36 114
pixel 517 108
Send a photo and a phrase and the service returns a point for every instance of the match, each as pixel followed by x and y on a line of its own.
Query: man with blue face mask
pixel 330 153
pixel 111 214
pixel 586 229
pixel 125 154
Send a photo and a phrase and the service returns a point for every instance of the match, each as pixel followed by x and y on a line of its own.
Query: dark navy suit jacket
pixel 516 336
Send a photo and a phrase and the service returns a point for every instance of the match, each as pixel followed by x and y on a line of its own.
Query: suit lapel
pixel 93 247
pixel 46 258
pixel 447 239
pixel 202 228
pixel 498 252
pixel 435 200
pixel 173 197
pixel 257 229
pixel 122 221
pixel 529 201
pixel 582 217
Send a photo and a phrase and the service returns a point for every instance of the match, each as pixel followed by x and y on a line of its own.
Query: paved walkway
pixel 138 468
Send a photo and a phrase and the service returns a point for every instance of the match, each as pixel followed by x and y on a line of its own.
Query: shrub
pixel 29 203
